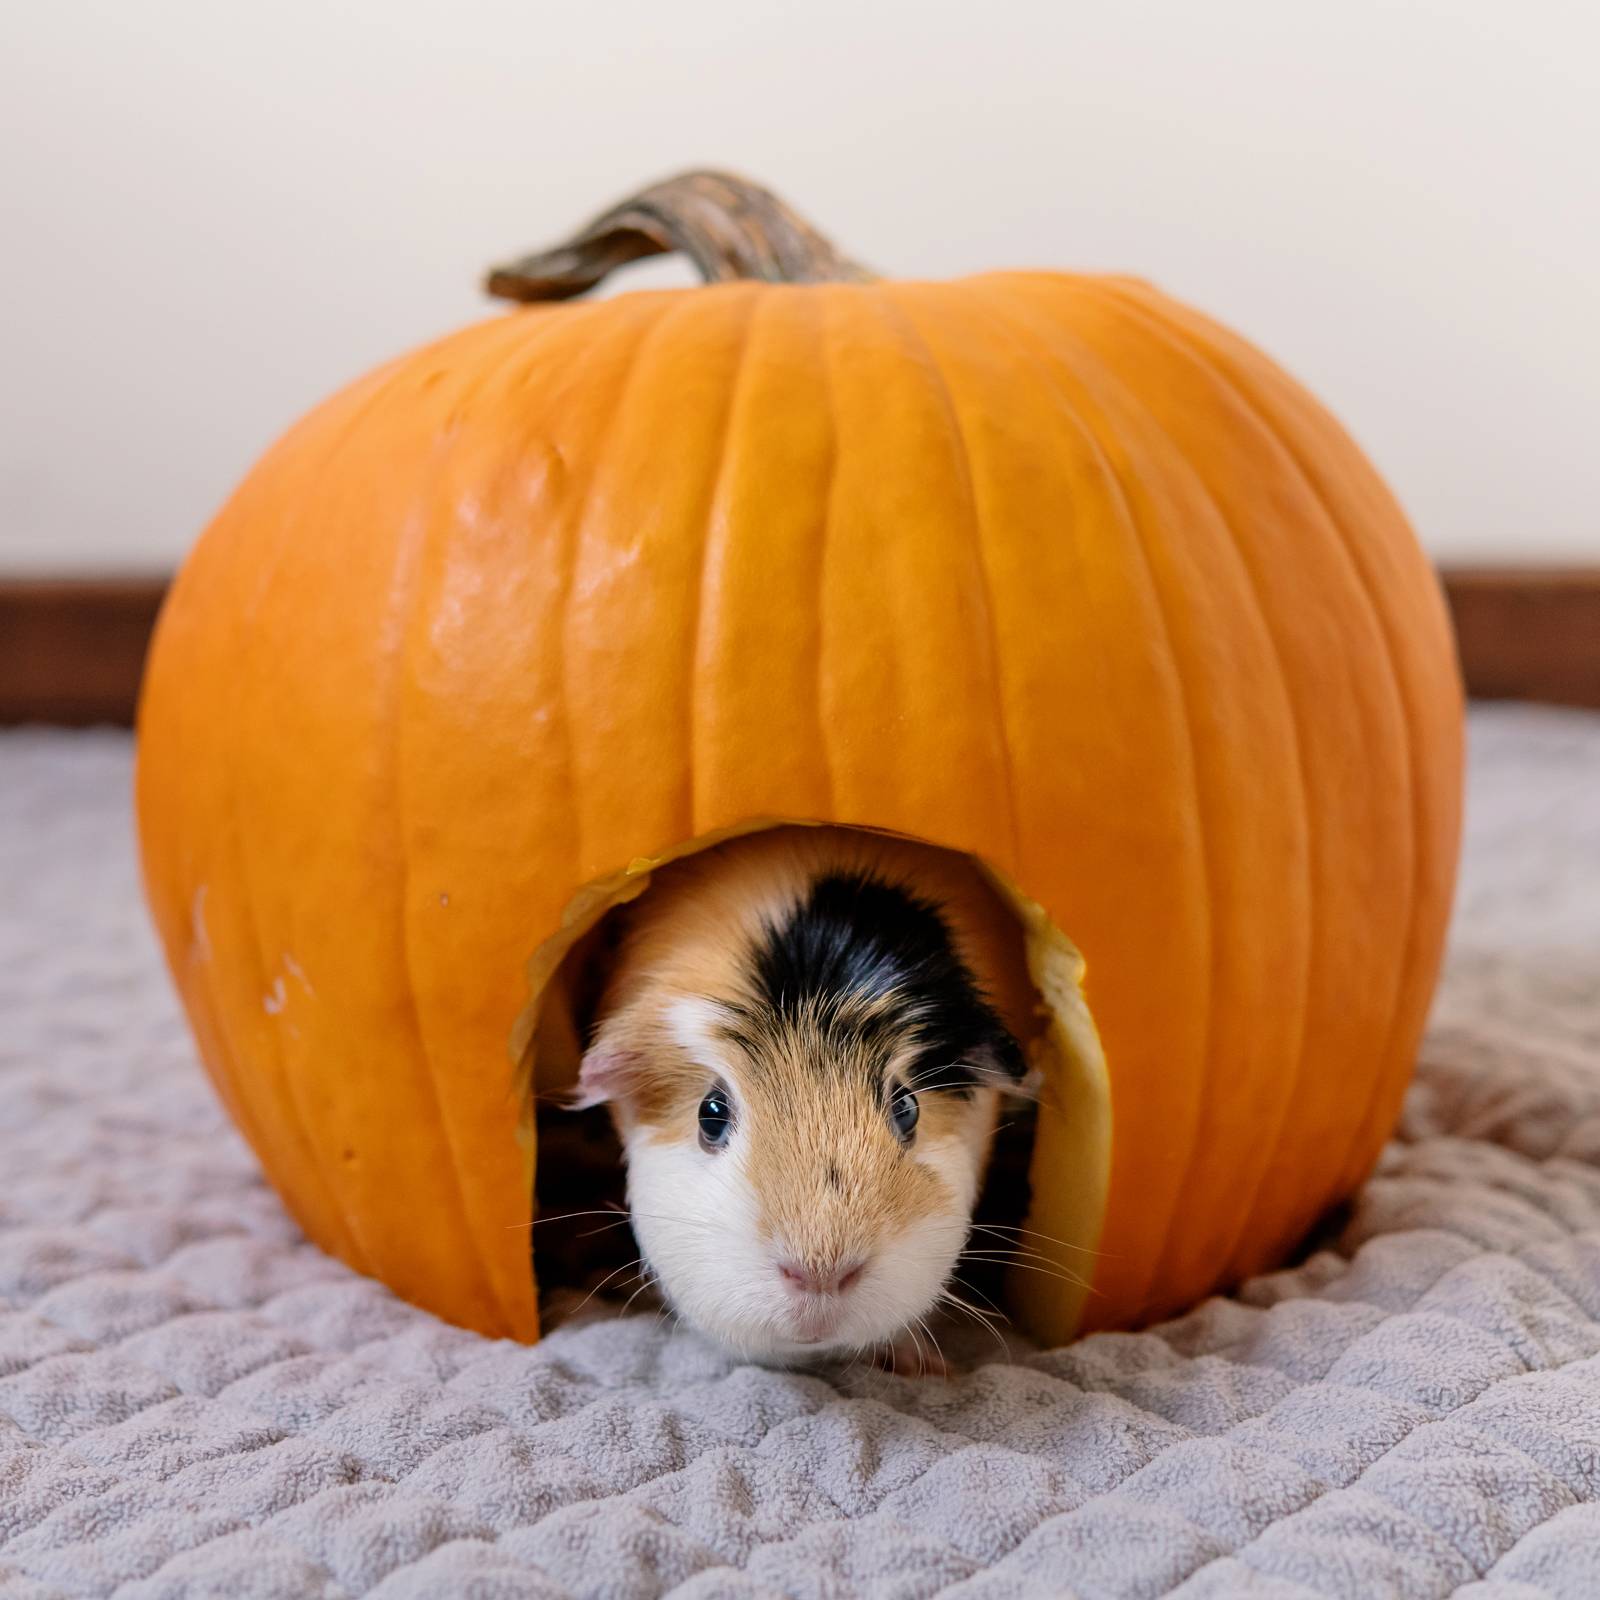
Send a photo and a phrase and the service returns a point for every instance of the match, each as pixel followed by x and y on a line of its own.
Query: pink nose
pixel 833 1278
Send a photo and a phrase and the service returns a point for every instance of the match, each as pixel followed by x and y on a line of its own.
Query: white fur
pixel 693 1023
pixel 695 1214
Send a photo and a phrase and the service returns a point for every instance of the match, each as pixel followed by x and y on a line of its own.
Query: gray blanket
pixel 195 1401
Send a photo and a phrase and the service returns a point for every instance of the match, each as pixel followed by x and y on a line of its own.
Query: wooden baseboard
pixel 1528 634
pixel 71 650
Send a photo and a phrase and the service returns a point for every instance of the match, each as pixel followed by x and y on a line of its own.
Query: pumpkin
pixel 1046 569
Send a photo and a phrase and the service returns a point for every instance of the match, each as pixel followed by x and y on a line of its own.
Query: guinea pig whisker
pixel 1017 1254
pixel 972 1288
pixel 615 1272
pixel 1005 1248
pixel 857 1355
pixel 947 1297
pixel 563 1216
pixel 1006 1227
pixel 618 1218
pixel 604 1227
pixel 646 1280
pixel 1013 1253
pixel 916 1338
pixel 1008 1089
pixel 916 1343
pixel 682 1222
pixel 1028 1266
pixel 982 1318
pixel 934 1088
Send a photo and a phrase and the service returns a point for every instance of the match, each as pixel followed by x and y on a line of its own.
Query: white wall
pixel 215 212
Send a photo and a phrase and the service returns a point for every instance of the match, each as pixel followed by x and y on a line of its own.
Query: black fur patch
pixel 856 937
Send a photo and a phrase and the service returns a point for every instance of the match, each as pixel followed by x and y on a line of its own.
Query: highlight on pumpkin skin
pixel 805 1036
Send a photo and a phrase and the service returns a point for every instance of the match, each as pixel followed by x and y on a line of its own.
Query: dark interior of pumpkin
pixel 586 1257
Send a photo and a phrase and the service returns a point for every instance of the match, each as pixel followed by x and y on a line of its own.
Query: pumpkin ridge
pixel 551 327
pixel 1146 532
pixel 1228 375
pixel 643 315
pixel 838 305
pixel 1177 337
pixel 311 1162
pixel 718 484
pixel 897 295
pixel 539 329
pixel 665 310
pixel 377 387
pixel 757 725
pixel 842 544
pixel 825 535
pixel 646 315
pixel 1375 1117
pixel 1377 1097
pixel 510 363
pixel 1252 582
pixel 1084 418
pixel 283 1089
pixel 395 633
pixel 194 940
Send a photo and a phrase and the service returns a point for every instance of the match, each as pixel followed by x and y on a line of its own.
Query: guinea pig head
pixel 806 1104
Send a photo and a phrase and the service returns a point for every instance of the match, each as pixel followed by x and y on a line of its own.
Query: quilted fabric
pixel 195 1401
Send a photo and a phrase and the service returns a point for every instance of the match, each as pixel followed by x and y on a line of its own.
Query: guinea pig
pixel 803 1040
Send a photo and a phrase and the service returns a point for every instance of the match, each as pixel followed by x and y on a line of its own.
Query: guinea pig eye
pixel 903 1114
pixel 716 1119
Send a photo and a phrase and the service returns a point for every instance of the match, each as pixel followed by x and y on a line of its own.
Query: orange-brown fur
pixel 831 1179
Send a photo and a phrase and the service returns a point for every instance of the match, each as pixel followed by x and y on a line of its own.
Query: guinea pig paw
pixel 912 1356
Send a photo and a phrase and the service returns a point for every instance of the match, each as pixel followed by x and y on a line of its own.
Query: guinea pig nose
pixel 850 1276
pixel 833 1278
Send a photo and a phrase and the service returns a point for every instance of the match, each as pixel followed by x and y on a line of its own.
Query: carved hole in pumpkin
pixel 586 1259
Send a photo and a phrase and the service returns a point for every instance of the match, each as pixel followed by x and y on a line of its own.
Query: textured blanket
pixel 195 1401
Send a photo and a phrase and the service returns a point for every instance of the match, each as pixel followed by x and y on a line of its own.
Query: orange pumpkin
pixel 1044 568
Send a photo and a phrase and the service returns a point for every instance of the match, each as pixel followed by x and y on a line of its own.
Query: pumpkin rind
pixel 1042 568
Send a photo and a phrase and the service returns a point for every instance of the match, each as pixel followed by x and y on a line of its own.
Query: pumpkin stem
pixel 728 227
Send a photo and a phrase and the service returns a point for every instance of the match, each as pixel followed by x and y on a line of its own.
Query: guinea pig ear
pixel 999 1060
pixel 606 1073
